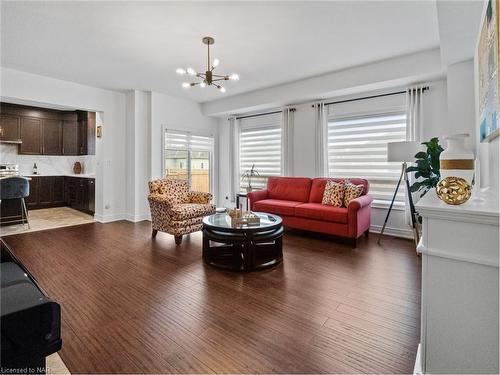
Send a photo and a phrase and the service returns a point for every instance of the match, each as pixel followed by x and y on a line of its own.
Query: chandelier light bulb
pixel 186 85
pixel 222 89
pixel 216 62
pixel 181 71
pixel 234 77
pixel 203 84
pixel 191 71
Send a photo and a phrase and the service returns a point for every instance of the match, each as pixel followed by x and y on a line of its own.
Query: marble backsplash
pixel 47 165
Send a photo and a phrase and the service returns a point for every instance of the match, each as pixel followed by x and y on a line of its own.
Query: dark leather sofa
pixel 30 321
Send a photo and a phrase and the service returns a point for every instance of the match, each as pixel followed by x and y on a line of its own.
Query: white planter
pixel 457 160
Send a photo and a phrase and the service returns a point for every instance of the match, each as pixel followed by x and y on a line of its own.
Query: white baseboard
pixel 137 218
pixel 417 370
pixel 396 232
pixel 109 218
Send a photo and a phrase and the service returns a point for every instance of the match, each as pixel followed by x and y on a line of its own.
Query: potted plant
pixel 427 167
pixel 248 175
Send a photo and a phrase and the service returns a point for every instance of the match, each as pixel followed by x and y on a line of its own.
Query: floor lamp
pixel 402 152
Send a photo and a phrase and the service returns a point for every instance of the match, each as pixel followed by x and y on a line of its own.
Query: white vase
pixel 457 160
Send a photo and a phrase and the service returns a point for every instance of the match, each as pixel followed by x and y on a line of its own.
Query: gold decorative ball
pixel 453 190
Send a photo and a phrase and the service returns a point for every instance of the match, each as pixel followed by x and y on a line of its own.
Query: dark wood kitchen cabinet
pixel 86 133
pixel 10 128
pixel 32 199
pixel 80 193
pixel 58 190
pixel 41 131
pixel 31 136
pixel 52 137
pixel 45 192
pixel 70 137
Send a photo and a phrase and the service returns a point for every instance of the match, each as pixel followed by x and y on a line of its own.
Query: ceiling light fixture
pixel 208 78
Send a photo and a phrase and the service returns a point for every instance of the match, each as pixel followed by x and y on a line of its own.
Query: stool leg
pixel 25 212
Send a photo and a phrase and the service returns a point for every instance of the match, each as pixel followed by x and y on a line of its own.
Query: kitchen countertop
pixel 82 175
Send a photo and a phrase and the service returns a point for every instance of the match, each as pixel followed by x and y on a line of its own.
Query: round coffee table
pixel 245 248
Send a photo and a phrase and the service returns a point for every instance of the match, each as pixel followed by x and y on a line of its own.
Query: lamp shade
pixel 403 151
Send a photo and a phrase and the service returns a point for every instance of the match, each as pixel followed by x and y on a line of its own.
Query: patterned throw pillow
pixel 334 193
pixel 351 192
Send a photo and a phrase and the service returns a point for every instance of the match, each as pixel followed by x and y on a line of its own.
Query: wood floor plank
pixel 135 304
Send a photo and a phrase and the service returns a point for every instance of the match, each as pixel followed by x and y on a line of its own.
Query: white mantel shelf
pixel 460 285
pixel 485 210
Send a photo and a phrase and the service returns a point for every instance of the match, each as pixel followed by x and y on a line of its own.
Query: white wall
pixel 26 88
pixel 461 101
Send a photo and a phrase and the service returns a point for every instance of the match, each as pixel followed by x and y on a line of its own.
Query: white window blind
pixel 175 140
pixel 260 145
pixel 357 147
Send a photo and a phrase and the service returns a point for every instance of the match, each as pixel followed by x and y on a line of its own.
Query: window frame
pixel 211 174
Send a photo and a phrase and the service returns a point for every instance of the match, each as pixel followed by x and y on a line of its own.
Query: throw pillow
pixel 334 193
pixel 351 192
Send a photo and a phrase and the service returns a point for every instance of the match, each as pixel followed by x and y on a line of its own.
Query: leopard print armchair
pixel 176 210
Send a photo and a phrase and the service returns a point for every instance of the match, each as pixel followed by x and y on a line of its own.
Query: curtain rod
pixel 262 114
pixel 372 96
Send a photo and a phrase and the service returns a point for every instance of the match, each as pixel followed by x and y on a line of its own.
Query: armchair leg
pixel 178 240
pixel 154 233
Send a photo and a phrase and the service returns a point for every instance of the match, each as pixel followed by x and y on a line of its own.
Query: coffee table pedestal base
pixel 248 251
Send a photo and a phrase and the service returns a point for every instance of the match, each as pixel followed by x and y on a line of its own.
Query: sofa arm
pixel 359 215
pixel 258 195
pixel 199 197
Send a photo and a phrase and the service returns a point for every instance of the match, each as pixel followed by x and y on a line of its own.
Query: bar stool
pixel 16 187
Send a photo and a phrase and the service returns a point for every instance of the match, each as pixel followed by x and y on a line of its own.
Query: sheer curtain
pixel 287 161
pixel 414 129
pixel 234 164
pixel 321 130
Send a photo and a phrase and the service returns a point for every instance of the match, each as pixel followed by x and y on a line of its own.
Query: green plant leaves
pixel 427 167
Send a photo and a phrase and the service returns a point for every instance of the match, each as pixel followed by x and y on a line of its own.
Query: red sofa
pixel 298 201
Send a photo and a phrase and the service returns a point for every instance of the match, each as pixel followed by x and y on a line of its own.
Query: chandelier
pixel 208 78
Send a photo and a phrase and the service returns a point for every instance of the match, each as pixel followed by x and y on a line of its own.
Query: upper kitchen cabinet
pixel 86 133
pixel 31 136
pixel 40 131
pixel 52 137
pixel 10 128
pixel 70 137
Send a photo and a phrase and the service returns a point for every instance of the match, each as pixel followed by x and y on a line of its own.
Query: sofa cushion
pixel 276 206
pixel 289 188
pixel 334 194
pixel 352 192
pixel 318 187
pixel 323 212
pixel 185 211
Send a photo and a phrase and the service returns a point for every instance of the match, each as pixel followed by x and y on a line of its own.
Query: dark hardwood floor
pixel 135 304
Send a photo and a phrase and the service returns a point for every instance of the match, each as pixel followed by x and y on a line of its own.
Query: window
pixel 260 145
pixel 357 147
pixel 189 157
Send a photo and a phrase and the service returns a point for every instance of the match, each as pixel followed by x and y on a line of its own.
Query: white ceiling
pixel 138 45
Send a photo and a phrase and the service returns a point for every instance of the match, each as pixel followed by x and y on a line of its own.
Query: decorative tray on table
pixel 238 218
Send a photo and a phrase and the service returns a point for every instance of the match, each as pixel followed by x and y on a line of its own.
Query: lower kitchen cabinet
pixel 58 191
pixel 80 193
